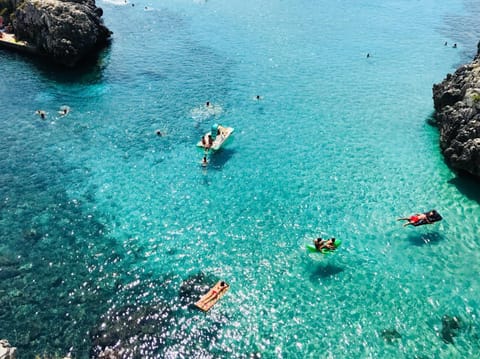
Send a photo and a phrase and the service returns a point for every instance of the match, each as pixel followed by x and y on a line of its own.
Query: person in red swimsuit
pixel 414 219
pixel 214 294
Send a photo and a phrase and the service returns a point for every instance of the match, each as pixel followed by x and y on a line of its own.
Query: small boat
pixel 216 138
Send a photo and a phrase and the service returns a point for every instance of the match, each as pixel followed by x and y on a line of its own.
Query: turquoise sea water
pixel 108 233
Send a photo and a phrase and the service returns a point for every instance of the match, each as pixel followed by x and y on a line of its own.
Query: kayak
pixel 311 248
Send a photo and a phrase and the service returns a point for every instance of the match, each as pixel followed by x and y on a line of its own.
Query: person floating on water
pixel 414 219
pixel 421 218
pixel 454 46
pixel 214 294
pixel 324 244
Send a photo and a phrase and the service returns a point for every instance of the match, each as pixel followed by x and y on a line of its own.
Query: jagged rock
pixel 66 31
pixel 6 350
pixel 457 105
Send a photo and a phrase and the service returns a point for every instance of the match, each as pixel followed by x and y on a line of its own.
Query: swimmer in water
pixel 42 114
pixel 64 110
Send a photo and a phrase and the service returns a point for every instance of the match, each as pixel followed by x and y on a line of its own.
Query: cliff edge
pixel 457 115
pixel 65 30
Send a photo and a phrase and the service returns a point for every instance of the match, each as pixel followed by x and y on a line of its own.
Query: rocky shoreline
pixel 66 31
pixel 457 116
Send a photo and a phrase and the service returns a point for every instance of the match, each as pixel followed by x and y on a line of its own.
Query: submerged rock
pixel 32 235
pixel 390 335
pixel 8 272
pixel 66 31
pixel 450 327
pixel 130 331
pixel 150 319
pixel 8 268
pixel 8 261
pixel 193 288
pixel 457 115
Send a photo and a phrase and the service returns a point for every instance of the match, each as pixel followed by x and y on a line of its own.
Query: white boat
pixel 216 138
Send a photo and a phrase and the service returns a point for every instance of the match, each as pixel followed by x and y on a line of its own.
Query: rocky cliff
pixel 457 115
pixel 65 30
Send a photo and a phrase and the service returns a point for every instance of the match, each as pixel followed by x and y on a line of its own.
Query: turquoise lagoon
pixel 104 225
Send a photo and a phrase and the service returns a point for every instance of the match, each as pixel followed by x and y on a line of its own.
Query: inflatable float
pixel 208 300
pixel 311 248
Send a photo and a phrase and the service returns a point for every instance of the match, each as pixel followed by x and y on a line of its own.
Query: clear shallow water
pixel 104 222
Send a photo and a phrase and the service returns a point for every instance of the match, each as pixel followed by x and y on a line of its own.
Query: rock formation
pixel 450 327
pixel 6 350
pixel 65 30
pixel 457 115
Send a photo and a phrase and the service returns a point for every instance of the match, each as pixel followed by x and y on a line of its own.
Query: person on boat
pixel 214 293
pixel 413 219
pixel 207 142
pixel 221 131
